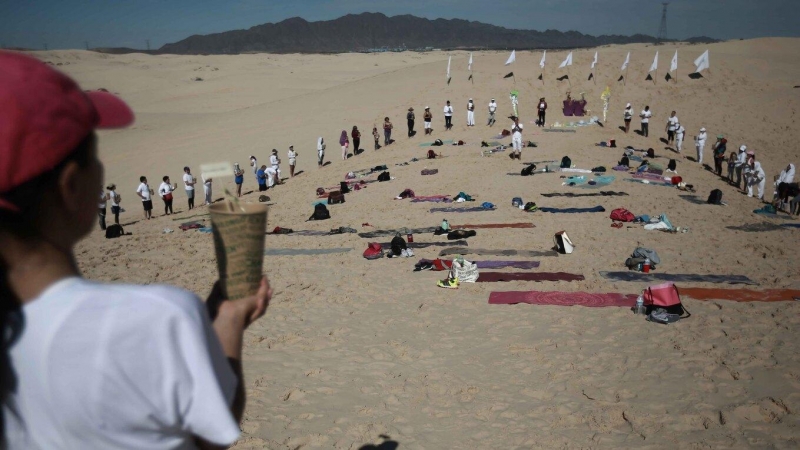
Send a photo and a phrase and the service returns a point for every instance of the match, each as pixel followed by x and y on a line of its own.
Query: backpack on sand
pixel 715 197
pixel 114 231
pixel 320 212
pixel 335 198
pixel 437 143
pixel 625 161
pixel 528 170
pixel 651 153
pixel 667 298
pixel 672 165
pixel 531 206
pixel 373 251
pixel 562 243
pixel 622 215
pixel 320 191
pixel 384 176
pixel 566 163
pixel 431 154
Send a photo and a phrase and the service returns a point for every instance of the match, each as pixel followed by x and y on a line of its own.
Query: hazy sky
pixel 128 23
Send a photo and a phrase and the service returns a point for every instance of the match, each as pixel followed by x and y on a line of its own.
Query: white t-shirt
pixel 646 115
pixel 448 110
pixel 119 366
pixel 470 106
pixel 144 189
pixel 292 157
pixel 680 131
pixel 206 182
pixel 273 159
pixel 672 123
pixel 701 138
pixel 517 134
pixel 103 198
pixel 272 174
pixel 492 107
pixel 254 163
pixel 112 195
pixel 164 189
pixel 188 178
pixel 628 114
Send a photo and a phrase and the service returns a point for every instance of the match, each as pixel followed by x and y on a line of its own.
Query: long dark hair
pixel 24 224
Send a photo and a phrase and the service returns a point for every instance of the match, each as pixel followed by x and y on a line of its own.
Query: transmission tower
pixel 148 44
pixel 662 29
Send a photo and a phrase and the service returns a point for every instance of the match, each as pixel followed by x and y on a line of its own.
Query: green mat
pixel 430 144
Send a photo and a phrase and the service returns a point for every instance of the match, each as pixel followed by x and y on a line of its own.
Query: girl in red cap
pixel 85 364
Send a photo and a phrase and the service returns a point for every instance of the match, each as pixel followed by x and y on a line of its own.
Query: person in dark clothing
pixel 542 112
pixel 410 117
pixel 720 148
pixel 356 135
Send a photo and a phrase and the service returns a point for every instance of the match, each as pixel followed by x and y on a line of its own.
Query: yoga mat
pixel 461 210
pixel 633 180
pixel 319 202
pixel 379 233
pixel 593 194
pixel 557 298
pixel 490 264
pixel 649 176
pixel 308 233
pixel 599 181
pixel 756 227
pixel 593 209
pixel 791 225
pixel 742 295
pixel 496 225
pixel 432 198
pixel 490 252
pixel 773 215
pixel 677 277
pixel 430 144
pixel 491 277
pixel 303 251
pixel 557 130
pixel 427 244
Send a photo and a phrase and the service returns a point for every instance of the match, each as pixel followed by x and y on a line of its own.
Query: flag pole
pixel 625 80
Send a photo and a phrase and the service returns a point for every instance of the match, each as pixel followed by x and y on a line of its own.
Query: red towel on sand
pixel 488 277
pixel 558 298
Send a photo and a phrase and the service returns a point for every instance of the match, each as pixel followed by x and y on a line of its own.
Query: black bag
pixel 335 198
pixel 528 170
pixel 460 234
pixel 344 187
pixel 651 153
pixel 398 244
pixel 384 176
pixel 672 165
pixel 566 163
pixel 320 212
pixel 715 197
pixel 530 206
pixel 625 161
pixel 114 231
pixel 599 169
pixel 431 154
pixel 437 143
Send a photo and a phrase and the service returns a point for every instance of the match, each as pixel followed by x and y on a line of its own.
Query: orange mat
pixel 741 295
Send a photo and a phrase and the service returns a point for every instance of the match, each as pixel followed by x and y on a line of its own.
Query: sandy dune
pixel 353 349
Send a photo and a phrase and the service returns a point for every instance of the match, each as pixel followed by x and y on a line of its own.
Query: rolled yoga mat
pixel 742 295
pixel 303 251
pixel 677 277
pixel 491 277
pixel 490 252
pixel 558 298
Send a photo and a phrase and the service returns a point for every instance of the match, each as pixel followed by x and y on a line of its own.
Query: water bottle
pixel 639 309
pixel 646 265
pixel 410 237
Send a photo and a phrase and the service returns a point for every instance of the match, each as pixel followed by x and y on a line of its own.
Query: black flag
pixel 448 80
pixel 470 77
pixel 509 75
pixel 620 78
pixel 591 75
pixel 668 77
pixel 695 75
pixel 649 78
pixel 540 76
pixel 565 77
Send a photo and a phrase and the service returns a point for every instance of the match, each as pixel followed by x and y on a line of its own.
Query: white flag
pixel 674 66
pixel 701 62
pixel 469 66
pixel 594 62
pixel 448 66
pixel 654 66
pixel 567 62
pixel 627 60
pixel 512 58
pixel 544 56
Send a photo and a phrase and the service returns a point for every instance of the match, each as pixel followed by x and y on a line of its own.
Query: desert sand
pixel 352 349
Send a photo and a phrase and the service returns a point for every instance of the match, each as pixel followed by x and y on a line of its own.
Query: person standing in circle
pixel 410 119
pixel 470 113
pixel 680 132
pixel 292 155
pixel 492 110
pixel 356 135
pixel 238 178
pixel 144 192
pixel 115 200
pixel 387 131
pixel 189 181
pixel 428 117
pixel 275 162
pixel 700 143
pixel 376 136
pixel 542 108
pixel 261 177
pixel 448 116
pixel 207 190
pixel 320 151
pixel 645 115
pixel 345 143
pixel 102 206
pixel 672 125
pixel 516 138
pixel 627 116
pixel 254 165
pixel 165 192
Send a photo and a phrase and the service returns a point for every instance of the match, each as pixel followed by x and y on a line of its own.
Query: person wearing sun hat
pixel 700 143
pixel 428 117
pixel 85 364
pixel 739 166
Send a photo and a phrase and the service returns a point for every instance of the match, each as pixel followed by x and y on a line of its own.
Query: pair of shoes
pixel 449 283
pixel 616 225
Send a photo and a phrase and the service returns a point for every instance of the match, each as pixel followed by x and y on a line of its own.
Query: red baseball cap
pixel 44 115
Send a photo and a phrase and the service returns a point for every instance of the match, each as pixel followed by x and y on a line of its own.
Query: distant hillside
pixel 362 32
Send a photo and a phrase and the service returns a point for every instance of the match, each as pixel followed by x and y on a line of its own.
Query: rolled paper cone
pixel 239 246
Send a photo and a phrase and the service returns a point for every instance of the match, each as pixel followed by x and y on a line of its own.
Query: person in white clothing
pixel 115 200
pixel 627 116
pixel 680 132
pixel 96 365
pixel 448 116
pixel 275 163
pixel 492 110
pixel 739 166
pixel 645 115
pixel 671 126
pixel 207 189
pixel 757 178
pixel 165 192
pixel 188 182
pixel 272 176
pixel 516 138
pixel 144 192
pixel 292 155
pixel 700 143
pixel 102 208
pixel 254 165
pixel 470 113
pixel 786 177
pixel 320 151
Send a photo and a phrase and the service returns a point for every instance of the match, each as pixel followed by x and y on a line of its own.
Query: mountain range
pixel 376 31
